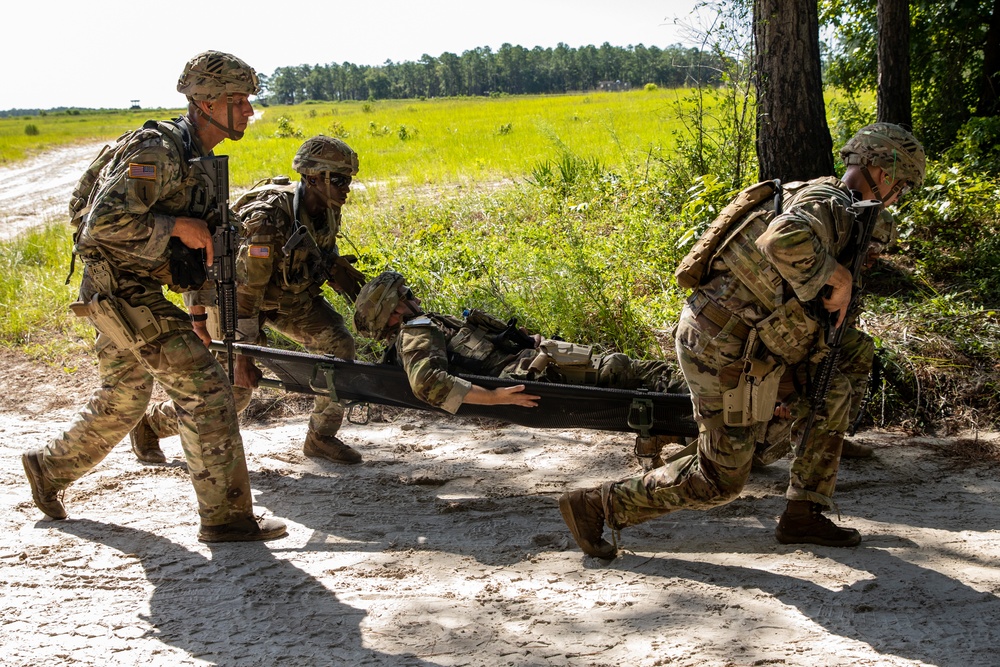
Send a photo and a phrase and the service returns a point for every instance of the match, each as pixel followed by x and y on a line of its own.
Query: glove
pixel 187 266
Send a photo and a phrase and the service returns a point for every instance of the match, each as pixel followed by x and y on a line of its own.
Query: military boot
pixel 250 529
pixel 583 512
pixel 804 523
pixel 45 495
pixel 145 443
pixel 856 450
pixel 331 448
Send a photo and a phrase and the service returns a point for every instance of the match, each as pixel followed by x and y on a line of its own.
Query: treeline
pixel 511 69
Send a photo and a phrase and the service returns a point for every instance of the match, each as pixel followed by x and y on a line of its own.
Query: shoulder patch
pixel 419 321
pixel 260 251
pixel 142 171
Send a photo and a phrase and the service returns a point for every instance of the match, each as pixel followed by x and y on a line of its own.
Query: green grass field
pixel 454 140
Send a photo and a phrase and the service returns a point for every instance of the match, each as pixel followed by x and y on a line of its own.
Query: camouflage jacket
pixel 268 277
pixel 134 205
pixel 431 346
pixel 776 265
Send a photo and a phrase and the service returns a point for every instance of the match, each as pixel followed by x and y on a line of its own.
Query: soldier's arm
pixel 799 245
pixel 423 352
pixel 256 262
pixel 121 220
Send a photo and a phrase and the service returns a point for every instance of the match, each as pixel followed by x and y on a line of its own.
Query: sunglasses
pixel 338 180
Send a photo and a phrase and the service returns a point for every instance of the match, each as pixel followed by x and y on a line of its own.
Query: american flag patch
pixel 145 171
pixel 262 251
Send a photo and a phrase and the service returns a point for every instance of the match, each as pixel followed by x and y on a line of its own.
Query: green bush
pixel 31 130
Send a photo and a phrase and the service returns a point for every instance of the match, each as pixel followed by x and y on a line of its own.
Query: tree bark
pixel 894 62
pixel 989 91
pixel 793 139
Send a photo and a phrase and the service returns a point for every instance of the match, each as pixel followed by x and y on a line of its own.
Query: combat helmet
pixel 376 303
pixel 212 74
pixel 890 147
pixel 323 154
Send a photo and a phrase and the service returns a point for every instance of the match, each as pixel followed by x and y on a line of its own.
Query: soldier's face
pixel 242 112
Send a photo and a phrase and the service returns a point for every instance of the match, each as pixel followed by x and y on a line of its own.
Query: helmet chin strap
pixel 866 172
pixel 231 131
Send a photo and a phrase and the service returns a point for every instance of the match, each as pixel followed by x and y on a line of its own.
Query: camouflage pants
pixel 321 330
pixel 711 361
pixel 617 371
pixel 209 431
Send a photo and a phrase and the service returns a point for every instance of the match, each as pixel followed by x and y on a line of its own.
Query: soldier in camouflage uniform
pixel 143 199
pixel 432 347
pixel 288 250
pixel 763 281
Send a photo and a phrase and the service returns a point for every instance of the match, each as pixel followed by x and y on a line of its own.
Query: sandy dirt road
pixel 445 547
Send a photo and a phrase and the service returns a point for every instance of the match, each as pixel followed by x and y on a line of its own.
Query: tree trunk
pixel 894 62
pixel 989 91
pixel 793 139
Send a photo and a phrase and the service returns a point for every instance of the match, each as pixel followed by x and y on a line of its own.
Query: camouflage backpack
pixel 80 202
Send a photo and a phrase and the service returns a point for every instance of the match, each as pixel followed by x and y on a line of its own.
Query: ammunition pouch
pixel 789 333
pixel 128 327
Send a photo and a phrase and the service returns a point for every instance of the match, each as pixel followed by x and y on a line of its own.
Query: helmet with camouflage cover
pixel 890 147
pixel 376 303
pixel 323 154
pixel 212 74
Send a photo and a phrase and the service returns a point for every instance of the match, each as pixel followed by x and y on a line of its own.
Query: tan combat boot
pixel 250 529
pixel 45 495
pixel 583 512
pixel 145 443
pixel 804 523
pixel 855 450
pixel 330 448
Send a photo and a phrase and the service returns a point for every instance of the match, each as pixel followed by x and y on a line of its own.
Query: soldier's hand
pixel 193 232
pixel 246 373
pixel 839 298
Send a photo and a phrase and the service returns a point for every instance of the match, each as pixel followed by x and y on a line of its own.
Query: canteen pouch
pixel 788 332
pixel 128 327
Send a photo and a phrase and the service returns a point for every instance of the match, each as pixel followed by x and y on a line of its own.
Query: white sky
pixel 105 53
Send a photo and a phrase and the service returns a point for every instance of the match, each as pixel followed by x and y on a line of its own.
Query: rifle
pixel 865 215
pixel 224 244
pixel 338 270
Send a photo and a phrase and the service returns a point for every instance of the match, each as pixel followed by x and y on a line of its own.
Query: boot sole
pixel 566 510
pixel 806 539
pixel 243 537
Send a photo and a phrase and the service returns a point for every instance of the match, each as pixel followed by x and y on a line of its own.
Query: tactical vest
pixel 302 269
pixel 786 328
pixel 474 344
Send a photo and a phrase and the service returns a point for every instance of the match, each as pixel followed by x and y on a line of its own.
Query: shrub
pixel 31 130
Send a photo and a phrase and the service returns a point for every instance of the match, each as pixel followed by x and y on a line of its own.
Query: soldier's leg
pixel 160 421
pixel 96 429
pixel 713 476
pixel 857 356
pixel 208 427
pixel 813 472
pixel 321 330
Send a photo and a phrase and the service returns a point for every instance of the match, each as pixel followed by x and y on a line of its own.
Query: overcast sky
pixel 105 53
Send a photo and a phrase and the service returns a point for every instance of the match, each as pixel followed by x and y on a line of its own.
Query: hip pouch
pixel 128 327
pixel 789 332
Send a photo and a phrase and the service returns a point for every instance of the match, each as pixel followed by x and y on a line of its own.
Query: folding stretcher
pixel 560 406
